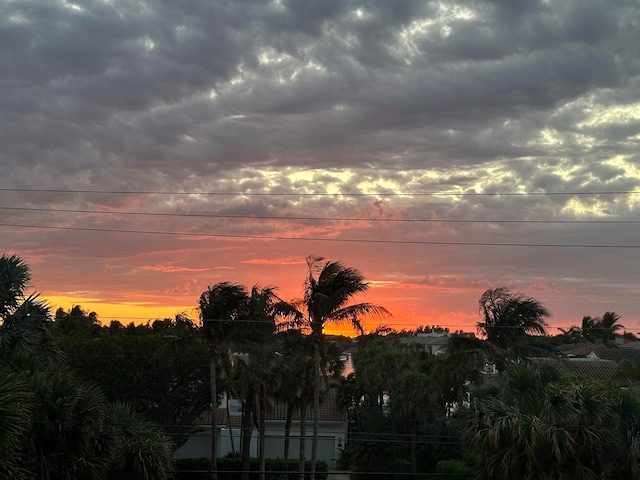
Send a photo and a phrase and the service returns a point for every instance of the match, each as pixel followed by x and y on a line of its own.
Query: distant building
pixel 434 342
pixel 599 363
pixel 332 432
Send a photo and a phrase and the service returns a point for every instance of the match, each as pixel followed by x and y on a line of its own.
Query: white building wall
pixel 332 436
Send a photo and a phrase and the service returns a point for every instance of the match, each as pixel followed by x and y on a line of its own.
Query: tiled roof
pixel 618 354
pixel 435 340
pixel 595 369
pixel 221 418
pixel 329 412
pixel 582 350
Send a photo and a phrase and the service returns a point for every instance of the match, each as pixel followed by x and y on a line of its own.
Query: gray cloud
pixel 353 96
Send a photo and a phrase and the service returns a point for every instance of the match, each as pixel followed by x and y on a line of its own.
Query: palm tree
pixel 608 326
pixel 458 369
pixel 588 325
pixel 222 307
pixel 66 438
pixel 375 362
pixel 231 315
pixel 293 365
pixel 77 322
pixel 141 451
pixel 542 427
pixel 570 335
pixel 25 322
pixel 600 328
pixel 508 318
pixel 14 277
pixel 329 287
pixel 16 410
pixel 411 392
pixel 263 309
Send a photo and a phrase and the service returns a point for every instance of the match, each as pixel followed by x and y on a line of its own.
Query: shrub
pixel 454 466
pixel 229 469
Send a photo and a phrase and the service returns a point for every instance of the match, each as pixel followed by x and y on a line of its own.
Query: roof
pixel 426 340
pixel 602 370
pixel 582 350
pixel 329 412
pixel 618 354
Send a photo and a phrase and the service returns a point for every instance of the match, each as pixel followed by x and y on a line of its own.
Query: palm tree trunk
pixel 233 448
pixel 414 457
pixel 287 436
pixel 303 434
pixel 262 428
pixel 214 411
pixel 246 437
pixel 316 406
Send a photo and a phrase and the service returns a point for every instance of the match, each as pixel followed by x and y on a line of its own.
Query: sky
pixel 150 149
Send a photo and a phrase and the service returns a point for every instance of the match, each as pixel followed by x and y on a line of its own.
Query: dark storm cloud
pixel 211 85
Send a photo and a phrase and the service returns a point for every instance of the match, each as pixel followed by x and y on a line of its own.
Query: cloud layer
pixel 387 119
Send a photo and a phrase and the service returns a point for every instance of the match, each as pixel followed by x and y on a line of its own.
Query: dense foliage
pixel 54 425
pixel 539 426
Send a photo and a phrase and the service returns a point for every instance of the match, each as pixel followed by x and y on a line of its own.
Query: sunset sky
pixel 152 148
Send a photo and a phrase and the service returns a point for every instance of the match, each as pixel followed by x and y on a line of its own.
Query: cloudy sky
pixel 152 148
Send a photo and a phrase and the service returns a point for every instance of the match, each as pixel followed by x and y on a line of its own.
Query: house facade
pixel 331 438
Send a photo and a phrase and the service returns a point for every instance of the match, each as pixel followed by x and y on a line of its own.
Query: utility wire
pixel 332 240
pixel 328 219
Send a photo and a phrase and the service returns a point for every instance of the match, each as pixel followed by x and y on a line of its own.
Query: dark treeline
pixel 79 399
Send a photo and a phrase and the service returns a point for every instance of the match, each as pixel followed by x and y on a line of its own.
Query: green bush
pixel 395 469
pixel 229 469
pixel 455 466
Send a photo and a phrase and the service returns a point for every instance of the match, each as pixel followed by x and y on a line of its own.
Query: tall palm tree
pixel 460 368
pixel 601 328
pixel 252 379
pixel 222 307
pixel 508 318
pixel 232 315
pixel 411 399
pixel 329 289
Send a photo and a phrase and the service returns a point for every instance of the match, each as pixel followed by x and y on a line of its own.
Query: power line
pixel 330 240
pixel 325 194
pixel 329 219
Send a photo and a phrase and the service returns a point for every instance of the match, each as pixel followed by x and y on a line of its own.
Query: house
pixel 617 355
pixel 433 342
pixel 332 432
pixel 593 368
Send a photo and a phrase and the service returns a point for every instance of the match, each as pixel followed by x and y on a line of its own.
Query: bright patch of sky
pixel 603 114
pixel 72 6
pixel 586 207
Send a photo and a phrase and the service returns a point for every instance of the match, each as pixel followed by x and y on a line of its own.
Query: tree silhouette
pixel 329 289
pixel 508 318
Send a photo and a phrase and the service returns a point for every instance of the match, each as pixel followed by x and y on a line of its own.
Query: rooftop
pixel 329 412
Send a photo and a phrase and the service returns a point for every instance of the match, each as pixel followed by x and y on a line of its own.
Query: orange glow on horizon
pixel 125 313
